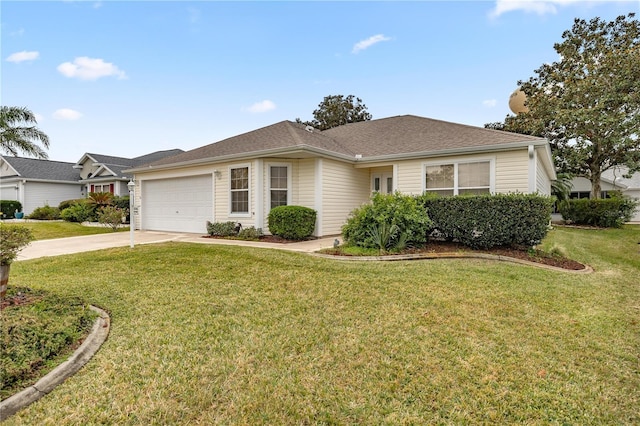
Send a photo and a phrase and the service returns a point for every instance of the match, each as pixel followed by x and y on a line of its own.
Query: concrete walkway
pixel 71 245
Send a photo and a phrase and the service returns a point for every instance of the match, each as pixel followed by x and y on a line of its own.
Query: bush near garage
pixel 604 213
pixel 389 222
pixel 292 222
pixel 9 207
pixel 45 212
pixel 221 229
pixel 485 221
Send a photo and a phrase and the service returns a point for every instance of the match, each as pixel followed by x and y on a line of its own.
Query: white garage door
pixel 178 204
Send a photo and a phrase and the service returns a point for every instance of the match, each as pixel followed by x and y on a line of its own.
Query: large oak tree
pixel 336 110
pixel 587 104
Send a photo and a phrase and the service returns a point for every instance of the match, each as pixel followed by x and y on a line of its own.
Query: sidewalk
pixel 71 245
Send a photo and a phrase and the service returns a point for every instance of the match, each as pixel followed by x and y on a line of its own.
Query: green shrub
pixel 605 213
pixel 389 222
pixel 292 222
pixel 485 221
pixel 80 212
pixel 121 202
pixel 68 203
pixel 45 212
pixel 9 207
pixel 250 233
pixel 110 216
pixel 12 240
pixel 221 229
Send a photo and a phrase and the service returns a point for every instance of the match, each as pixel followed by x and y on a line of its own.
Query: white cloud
pixel 541 7
pixel 18 33
pixel 263 106
pixel 86 68
pixel 490 103
pixel 23 56
pixel 365 44
pixel 194 14
pixel 67 114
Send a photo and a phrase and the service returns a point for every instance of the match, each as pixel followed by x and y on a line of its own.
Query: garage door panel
pixel 179 204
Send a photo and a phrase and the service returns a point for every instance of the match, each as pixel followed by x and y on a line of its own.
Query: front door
pixel 382 182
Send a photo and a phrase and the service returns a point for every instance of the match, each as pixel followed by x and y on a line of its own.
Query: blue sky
pixel 127 78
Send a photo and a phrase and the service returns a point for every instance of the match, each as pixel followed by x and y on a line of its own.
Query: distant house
pixel 36 183
pixel 104 173
pixel 333 171
pixel 611 180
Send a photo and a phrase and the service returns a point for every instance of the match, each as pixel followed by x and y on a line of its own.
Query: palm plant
pixel 19 134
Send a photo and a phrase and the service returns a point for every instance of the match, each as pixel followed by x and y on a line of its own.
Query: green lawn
pixel 209 334
pixel 47 230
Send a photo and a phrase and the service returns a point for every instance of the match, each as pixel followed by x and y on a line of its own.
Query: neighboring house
pixel 104 173
pixel 333 171
pixel 611 180
pixel 36 183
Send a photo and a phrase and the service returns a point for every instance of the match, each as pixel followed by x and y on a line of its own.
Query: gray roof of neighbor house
pixel 391 137
pixel 31 168
pixel 616 176
pixel 118 165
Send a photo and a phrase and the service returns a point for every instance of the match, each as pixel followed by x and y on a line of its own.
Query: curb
pixel 80 357
pixel 426 256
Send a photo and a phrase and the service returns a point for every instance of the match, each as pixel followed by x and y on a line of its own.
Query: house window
pixel 459 178
pixel 278 185
pixel 107 187
pixel 239 190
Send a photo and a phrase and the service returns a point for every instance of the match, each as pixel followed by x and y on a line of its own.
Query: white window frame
pixel 456 163
pixel 289 174
pixel 248 212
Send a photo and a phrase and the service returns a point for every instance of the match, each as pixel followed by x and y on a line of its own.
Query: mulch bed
pixel 535 256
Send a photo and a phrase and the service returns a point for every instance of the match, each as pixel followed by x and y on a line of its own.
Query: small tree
pixel 111 216
pixel 12 240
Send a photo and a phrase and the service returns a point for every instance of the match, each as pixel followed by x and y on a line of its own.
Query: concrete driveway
pixel 71 245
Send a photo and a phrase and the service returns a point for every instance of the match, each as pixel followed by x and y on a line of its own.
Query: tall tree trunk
pixel 4 281
pixel 595 184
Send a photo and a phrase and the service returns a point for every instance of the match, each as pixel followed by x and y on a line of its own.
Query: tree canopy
pixel 587 104
pixel 19 134
pixel 336 110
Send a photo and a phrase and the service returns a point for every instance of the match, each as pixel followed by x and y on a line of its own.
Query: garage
pixel 182 204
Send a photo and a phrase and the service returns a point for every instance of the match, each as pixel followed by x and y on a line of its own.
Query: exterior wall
pixel 511 171
pixel 343 189
pixel 581 184
pixel 543 183
pixel 635 194
pixel 38 194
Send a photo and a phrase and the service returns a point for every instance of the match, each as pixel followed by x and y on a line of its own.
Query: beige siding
pixel 512 171
pixel 305 183
pixel 410 178
pixel 343 189
pixel 543 183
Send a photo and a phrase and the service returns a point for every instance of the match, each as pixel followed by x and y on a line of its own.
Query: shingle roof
pixel 412 134
pixel 400 135
pixel 118 164
pixel 31 168
pixel 282 135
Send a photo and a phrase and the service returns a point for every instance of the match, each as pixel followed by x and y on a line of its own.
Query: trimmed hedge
pixel 45 212
pixel 292 222
pixel 389 222
pixel 9 207
pixel 605 213
pixel 485 221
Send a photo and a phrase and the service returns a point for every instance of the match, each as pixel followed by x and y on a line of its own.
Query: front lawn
pixel 210 334
pixel 46 230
